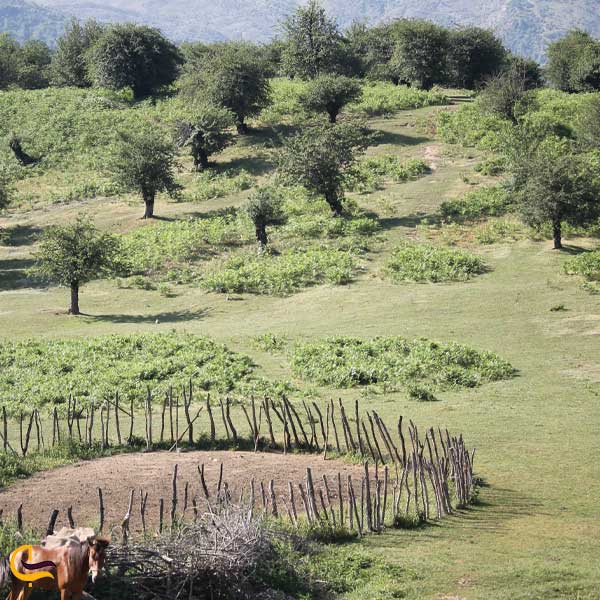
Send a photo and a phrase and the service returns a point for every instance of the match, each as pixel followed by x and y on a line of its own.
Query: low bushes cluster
pixel 40 371
pixel 383 99
pixel 282 274
pixel 370 174
pixel 586 265
pixel 211 184
pixel 477 204
pixel 427 263
pixel 345 362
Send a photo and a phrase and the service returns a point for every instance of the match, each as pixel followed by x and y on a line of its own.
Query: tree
pixel 504 93
pixel 134 56
pixel 554 185
pixel 312 41
pixel 420 52
pixel 9 61
pixel 330 93
pixel 144 161
pixel 319 157
pixel 264 208
pixel 588 124
pixel 475 55
pixel 206 130
pixel 234 77
pixel 34 65
pixel 70 61
pixel 72 255
pixel 574 62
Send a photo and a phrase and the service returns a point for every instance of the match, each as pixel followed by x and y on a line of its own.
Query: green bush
pixel 384 99
pixel 369 175
pixel 164 246
pixel 345 362
pixel 279 275
pixel 426 263
pixel 209 184
pixel 478 204
pixel 286 105
pixel 36 372
pixel 587 265
pixel 491 166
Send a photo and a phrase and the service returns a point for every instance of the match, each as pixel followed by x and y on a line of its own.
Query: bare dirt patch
pixel 77 485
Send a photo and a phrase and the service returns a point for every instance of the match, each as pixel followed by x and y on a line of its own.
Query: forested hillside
pixel 526 26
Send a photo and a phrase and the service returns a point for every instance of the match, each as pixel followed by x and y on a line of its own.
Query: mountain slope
pixel 526 26
pixel 25 20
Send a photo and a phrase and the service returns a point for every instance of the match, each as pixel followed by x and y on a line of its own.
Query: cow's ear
pixel 91 540
pixel 102 543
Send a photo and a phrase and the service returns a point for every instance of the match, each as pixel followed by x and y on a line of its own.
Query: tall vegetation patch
pixel 345 362
pixel 38 371
pixel 489 201
pixel 427 263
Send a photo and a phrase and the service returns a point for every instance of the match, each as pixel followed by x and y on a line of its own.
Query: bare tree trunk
pixel 74 310
pixel 149 202
pixel 557 231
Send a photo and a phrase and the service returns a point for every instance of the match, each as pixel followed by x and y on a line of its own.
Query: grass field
pixel 535 532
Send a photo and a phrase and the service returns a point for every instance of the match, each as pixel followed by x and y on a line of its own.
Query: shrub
pixel 345 362
pixel 427 263
pixel 368 175
pixel 587 265
pixel 491 166
pixel 478 204
pixel 384 99
pixel 209 185
pixel 279 275
pixel 37 371
pixel 286 104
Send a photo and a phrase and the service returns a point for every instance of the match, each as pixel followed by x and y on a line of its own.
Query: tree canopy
pixel 233 76
pixel 205 129
pixel 136 57
pixel 312 43
pixel 71 255
pixel 70 61
pixel 474 55
pixel 330 93
pixel 574 62
pixel 144 161
pixel 319 157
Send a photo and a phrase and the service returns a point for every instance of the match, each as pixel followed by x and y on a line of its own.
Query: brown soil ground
pixel 77 485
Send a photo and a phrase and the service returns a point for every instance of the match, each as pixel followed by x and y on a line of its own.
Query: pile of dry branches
pixel 213 557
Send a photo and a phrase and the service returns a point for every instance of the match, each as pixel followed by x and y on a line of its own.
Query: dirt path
pixel 77 485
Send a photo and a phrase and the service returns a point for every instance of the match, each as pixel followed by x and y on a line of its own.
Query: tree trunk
pixel 334 203
pixel 200 159
pixel 261 236
pixel 557 230
pixel 242 128
pixel 333 116
pixel 74 310
pixel 149 202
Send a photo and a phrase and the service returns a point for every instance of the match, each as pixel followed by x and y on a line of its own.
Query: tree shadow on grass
pixel 20 235
pixel 410 221
pixel 574 250
pixel 255 165
pixel 14 276
pixel 398 139
pixel 180 316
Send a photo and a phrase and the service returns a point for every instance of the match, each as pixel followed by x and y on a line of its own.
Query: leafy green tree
pixel 206 130
pixel 318 158
pixel 574 62
pixel 70 61
pixel 312 42
pixel 475 54
pixel 504 94
pixel 136 57
pixel 587 125
pixel 530 70
pixel 144 161
pixel 234 77
pixel 9 61
pixel 264 207
pixel 330 93
pixel 420 52
pixel 34 65
pixel 554 185
pixel 72 255
pixel 372 49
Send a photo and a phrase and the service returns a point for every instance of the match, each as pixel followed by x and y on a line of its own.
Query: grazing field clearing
pixel 535 533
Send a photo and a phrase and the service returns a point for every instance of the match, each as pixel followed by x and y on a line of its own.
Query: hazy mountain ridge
pixel 25 21
pixel 526 26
